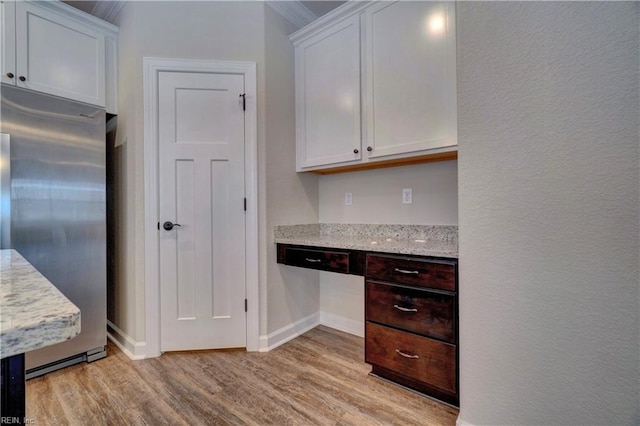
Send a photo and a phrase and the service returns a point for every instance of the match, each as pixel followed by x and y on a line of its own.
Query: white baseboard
pixel 342 323
pixel 131 348
pixel 460 422
pixel 289 332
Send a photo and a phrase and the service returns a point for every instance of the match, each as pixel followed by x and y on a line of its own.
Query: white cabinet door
pixel 328 96
pixel 8 42
pixel 410 77
pixel 59 55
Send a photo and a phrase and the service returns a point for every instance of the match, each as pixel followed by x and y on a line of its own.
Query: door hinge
pixel 244 101
pixel 245 204
pixel 245 305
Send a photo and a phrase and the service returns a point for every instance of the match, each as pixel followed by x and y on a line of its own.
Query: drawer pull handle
pixel 312 260
pixel 404 271
pixel 400 308
pixel 407 355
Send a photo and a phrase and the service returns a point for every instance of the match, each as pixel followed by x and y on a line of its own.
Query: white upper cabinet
pixel 57 50
pixel 57 55
pixel 410 77
pixel 376 82
pixel 8 42
pixel 328 95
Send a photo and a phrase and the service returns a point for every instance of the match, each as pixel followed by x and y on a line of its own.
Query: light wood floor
pixel 318 378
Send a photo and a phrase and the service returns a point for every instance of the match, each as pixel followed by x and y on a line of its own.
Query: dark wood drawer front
pixel 318 259
pixel 418 272
pixel 427 313
pixel 420 358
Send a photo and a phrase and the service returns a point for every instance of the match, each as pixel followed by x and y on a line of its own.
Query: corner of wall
pixel 131 348
pixel 291 300
pixel 126 313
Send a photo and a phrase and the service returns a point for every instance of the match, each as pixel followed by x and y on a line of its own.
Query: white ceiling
pixel 108 9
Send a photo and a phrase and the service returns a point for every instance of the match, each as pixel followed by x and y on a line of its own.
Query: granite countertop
pixel 33 313
pixel 424 240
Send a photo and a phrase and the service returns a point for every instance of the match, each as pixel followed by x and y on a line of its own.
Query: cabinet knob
pixel 10 74
pixel 369 149
pixel 355 151
pixel 22 78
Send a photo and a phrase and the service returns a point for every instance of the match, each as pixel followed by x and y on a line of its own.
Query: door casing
pixel 152 67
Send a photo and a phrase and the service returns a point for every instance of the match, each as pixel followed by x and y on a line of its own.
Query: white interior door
pixel 201 188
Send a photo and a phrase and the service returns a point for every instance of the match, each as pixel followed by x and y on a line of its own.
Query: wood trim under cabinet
pixel 428 158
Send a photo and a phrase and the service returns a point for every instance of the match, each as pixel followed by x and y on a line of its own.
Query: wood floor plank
pixel 319 378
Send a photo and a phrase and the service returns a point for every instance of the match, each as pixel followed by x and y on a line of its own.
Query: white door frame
pixel 152 67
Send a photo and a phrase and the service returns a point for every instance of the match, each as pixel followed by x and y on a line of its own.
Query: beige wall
pixel 291 293
pixel 377 198
pixel 241 31
pixel 548 97
pixel 377 195
pixel 125 313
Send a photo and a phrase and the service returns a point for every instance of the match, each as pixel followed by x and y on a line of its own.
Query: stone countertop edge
pixel 423 240
pixel 33 312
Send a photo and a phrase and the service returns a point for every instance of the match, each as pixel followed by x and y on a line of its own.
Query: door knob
pixel 10 74
pixel 22 78
pixel 168 226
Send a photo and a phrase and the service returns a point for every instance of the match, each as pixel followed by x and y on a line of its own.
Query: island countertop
pixel 424 240
pixel 33 312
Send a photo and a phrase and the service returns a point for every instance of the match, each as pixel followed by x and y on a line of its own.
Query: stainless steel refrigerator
pixel 53 209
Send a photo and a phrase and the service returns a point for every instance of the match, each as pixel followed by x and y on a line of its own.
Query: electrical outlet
pixel 407 197
pixel 348 198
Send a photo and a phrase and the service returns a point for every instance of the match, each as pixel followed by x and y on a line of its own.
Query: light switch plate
pixel 348 198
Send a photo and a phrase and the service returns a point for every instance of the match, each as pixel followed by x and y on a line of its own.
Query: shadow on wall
pixel 298 282
pixel 309 182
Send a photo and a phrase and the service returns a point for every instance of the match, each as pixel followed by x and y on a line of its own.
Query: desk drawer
pixel 419 358
pixel 428 313
pixel 325 260
pixel 418 272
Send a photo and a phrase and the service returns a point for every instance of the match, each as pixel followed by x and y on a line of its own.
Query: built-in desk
pixel 33 314
pixel 411 295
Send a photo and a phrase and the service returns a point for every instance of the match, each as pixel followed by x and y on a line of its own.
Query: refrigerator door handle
pixel 5 190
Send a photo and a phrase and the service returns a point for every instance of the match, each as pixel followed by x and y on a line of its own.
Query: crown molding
pixel 71 12
pixel 344 11
pixel 293 11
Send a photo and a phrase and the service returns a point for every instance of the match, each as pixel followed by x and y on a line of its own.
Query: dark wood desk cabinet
pixel 411 329
pixel 411 313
